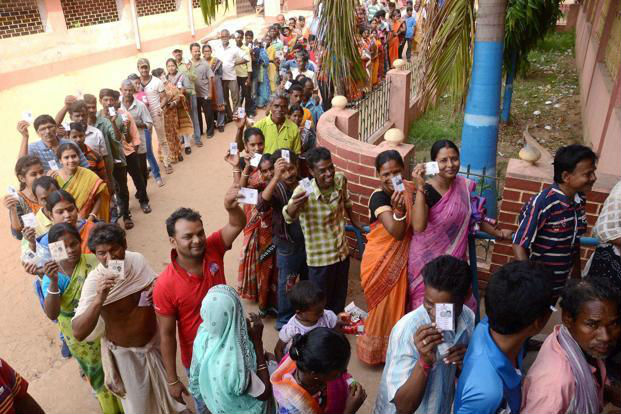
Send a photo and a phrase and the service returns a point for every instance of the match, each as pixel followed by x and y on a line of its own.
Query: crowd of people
pixel 123 323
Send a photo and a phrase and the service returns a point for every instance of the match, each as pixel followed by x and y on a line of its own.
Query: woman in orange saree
pixel 393 39
pixel 384 266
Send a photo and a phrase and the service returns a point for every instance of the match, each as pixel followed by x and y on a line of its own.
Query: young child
pixel 552 221
pixel 309 302
pixel 96 163
pixel 296 114
pixel 27 169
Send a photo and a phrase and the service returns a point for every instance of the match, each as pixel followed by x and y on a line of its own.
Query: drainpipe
pixel 191 17
pixel 132 5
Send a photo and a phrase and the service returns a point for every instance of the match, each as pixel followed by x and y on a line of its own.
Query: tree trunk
pixel 508 96
pixel 480 130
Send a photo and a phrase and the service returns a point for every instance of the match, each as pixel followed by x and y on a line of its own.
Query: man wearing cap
pixel 154 90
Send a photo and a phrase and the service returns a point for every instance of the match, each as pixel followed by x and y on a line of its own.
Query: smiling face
pixel 47 133
pixel 582 178
pixel 143 69
pixel 70 160
pixel 597 327
pixel 323 171
pixel 255 144
pixel 296 117
pixel 207 53
pixel 65 212
pixel 290 175
pixel 77 136
pixel 196 52
pixel 448 162
pixel 189 239
pixel 389 169
pixel 171 67
pixel 178 56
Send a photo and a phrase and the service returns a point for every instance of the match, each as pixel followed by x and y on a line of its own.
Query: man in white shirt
pixel 301 59
pixel 154 90
pixel 231 56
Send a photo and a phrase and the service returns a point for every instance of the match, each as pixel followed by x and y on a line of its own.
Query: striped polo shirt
pixel 550 226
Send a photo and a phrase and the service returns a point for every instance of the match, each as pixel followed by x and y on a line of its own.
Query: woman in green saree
pixel 62 286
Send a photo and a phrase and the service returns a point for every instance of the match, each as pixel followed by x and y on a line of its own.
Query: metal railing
pixel 373 110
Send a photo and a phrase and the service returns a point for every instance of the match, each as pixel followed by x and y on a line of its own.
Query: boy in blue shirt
pixel 410 29
pixel 517 303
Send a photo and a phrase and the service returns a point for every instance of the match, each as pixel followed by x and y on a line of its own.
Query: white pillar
pixel 272 8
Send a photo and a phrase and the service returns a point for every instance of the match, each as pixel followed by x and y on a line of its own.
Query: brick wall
pixel 19 18
pixel 149 7
pixel 520 186
pixel 80 13
pixel 243 7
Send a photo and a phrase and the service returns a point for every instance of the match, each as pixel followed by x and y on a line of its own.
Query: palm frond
pixel 445 57
pixel 527 22
pixel 341 62
pixel 210 7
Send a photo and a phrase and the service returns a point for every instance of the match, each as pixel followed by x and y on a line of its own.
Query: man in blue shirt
pixel 410 29
pixel 517 303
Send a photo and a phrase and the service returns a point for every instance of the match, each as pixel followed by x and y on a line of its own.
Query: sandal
pixel 128 223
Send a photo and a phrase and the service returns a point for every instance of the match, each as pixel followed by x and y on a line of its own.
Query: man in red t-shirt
pixel 196 265
pixel 14 397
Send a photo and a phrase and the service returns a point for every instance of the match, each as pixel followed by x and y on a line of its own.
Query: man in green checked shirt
pixel 322 217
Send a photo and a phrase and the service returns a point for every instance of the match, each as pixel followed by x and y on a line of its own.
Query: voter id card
pixel 431 168
pixel 117 268
pixel 445 317
pixel 397 183
pixel 58 251
pixel 248 195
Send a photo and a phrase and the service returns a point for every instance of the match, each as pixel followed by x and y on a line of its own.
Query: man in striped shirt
pixel 552 222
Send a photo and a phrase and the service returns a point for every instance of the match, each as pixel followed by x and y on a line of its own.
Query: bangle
pixel 170 384
pixel 236 170
pixel 261 367
pixel 394 216
pixel 245 175
pixel 426 367
pixel 53 293
pixel 93 215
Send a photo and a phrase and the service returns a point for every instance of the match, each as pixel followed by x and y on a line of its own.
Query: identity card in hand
pixel 285 155
pixel 255 160
pixel 431 168
pixel 445 320
pixel 111 111
pixel 12 191
pixel 241 112
pixel 308 124
pixel 233 148
pixel 307 186
pixel 288 85
pixel 248 195
pixel 27 116
pixel 117 268
pixel 397 183
pixel 53 165
pixel 58 251
pixel 29 220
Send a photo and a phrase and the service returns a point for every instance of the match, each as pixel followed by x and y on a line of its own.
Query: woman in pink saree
pixel 443 218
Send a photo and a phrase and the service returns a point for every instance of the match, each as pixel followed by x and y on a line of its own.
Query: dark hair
pixel 266 157
pixel 302 18
pixel 106 92
pixel 45 182
pixel 240 32
pixel 253 131
pixel 249 33
pixel 116 94
pixel 106 233
pixel 193 45
pixel 438 145
pixel 321 350
pixel 517 295
pixel 56 197
pixel 77 126
pixel 60 229
pixel 66 147
pixel 448 274
pixel 296 87
pixel 90 98
pixel 77 106
pixel 316 155
pixel 171 60
pixel 388 155
pixel 566 159
pixel 43 119
pixel 181 213
pixel 206 46
pixel 177 51
pixel 409 9
pixel 24 163
pixel 157 72
pixel 305 294
pixel 133 77
pixel 303 79
pixel 579 292
pixel 296 107
pixel 278 154
pixel 380 13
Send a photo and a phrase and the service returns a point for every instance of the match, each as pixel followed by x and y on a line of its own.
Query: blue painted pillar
pixel 480 131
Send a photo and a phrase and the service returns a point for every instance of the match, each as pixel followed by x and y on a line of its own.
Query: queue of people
pixel 123 323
